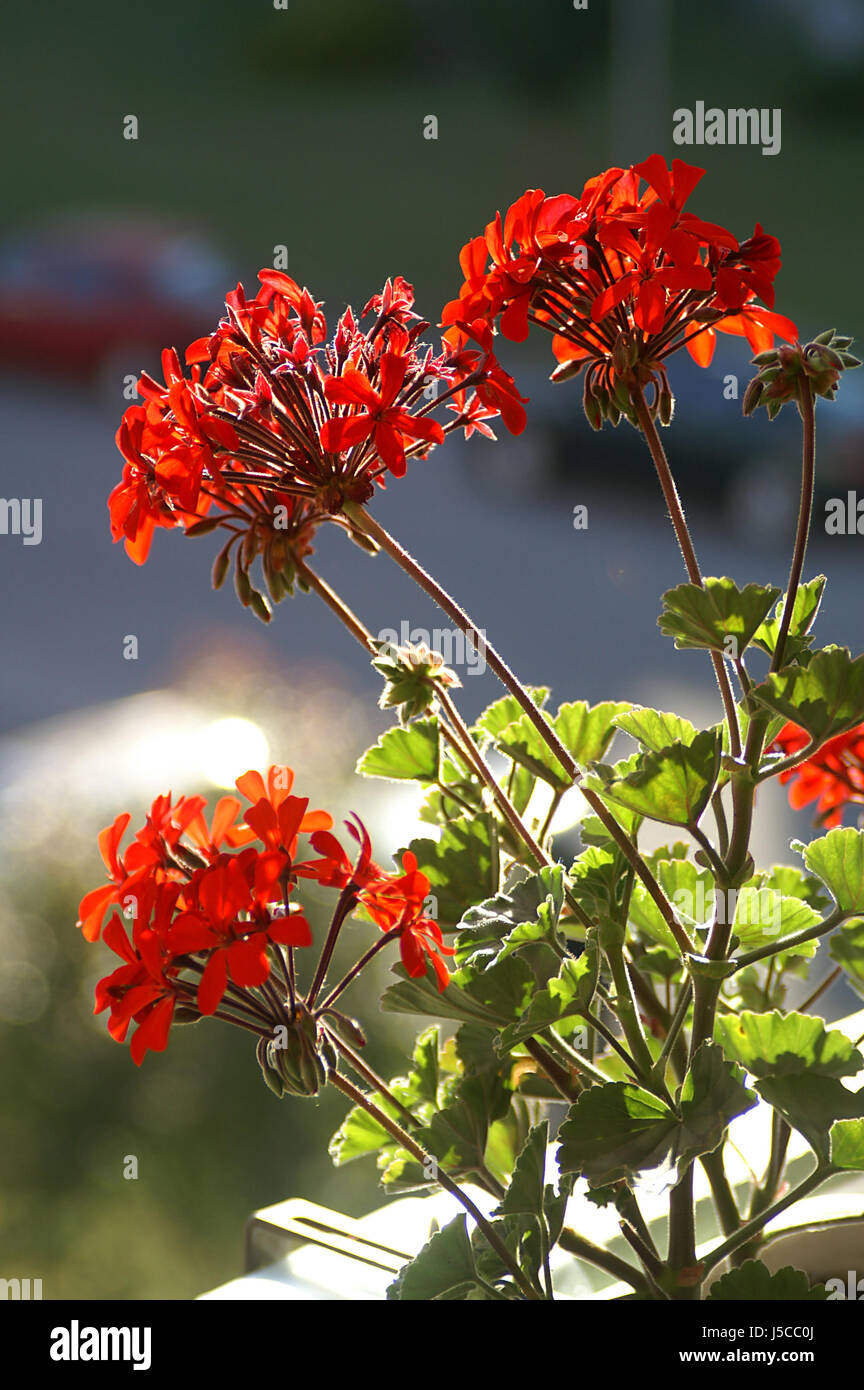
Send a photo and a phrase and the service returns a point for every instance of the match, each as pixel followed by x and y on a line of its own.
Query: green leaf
pixel 847 948
pixel 596 880
pixel 826 697
pixel 456 1134
pixel 838 860
pixel 847 1144
pixel 687 887
pixel 402 754
pixel 527 1189
pixel 672 786
pixel 812 1104
pixel 775 1044
pixel 528 911
pixel 421 996
pixel 804 611
pixel 462 867
pixel 421 1085
pixel 614 1132
pixel 762 917
pixel 567 996
pixel 753 1282
pixel 504 989
pixel 585 730
pixel 655 729
pixel 792 882
pixel 357 1136
pixel 506 711
pixel 711 1097
pixel 443 1267
pixel 522 742
pixel 619 1130
pixel 709 616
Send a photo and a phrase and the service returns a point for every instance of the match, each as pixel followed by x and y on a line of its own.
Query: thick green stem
pixel 585 1249
pixel 682 1239
pixel 724 1198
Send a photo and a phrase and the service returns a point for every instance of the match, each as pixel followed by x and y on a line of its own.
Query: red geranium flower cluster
pixel 833 777
pixel 211 910
pixel 278 425
pixel 622 276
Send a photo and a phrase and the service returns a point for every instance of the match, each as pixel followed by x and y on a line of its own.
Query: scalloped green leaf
pixel 804 613
pixel 792 882
pixel 763 917
pixel 457 1133
pixel 405 754
pixel 838 860
pixel 462 867
pixel 506 711
pixel 776 1044
pixel 846 946
pixel 847 1145
pixel 360 1135
pixel 528 911
pixel 687 887
pixel 672 786
pixel 712 1095
pixel 567 996
pixel 527 1190
pixel 715 613
pixel 421 996
pixel 825 697
pixel 619 1130
pixel 753 1282
pixel 654 728
pixel 587 730
pixel 812 1104
pixel 445 1266
pixel 614 1132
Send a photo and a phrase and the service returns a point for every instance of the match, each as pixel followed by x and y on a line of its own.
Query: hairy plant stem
pixel 478 640
pixel 337 606
pixel 743 784
pixel 407 1141
pixel 346 904
pixel 626 1010
pixel 359 965
pixel 679 522
pixel 370 527
pixel 806 406
pixel 477 763
pixel 557 1074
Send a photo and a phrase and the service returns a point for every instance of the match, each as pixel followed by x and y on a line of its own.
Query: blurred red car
pixel 93 294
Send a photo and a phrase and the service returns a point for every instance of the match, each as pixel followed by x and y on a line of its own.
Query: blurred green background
pixel 303 126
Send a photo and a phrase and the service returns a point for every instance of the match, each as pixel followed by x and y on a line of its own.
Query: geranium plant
pixel 642 990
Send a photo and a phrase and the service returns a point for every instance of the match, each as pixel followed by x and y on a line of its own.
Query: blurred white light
pixel 229 747
pixel 572 809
